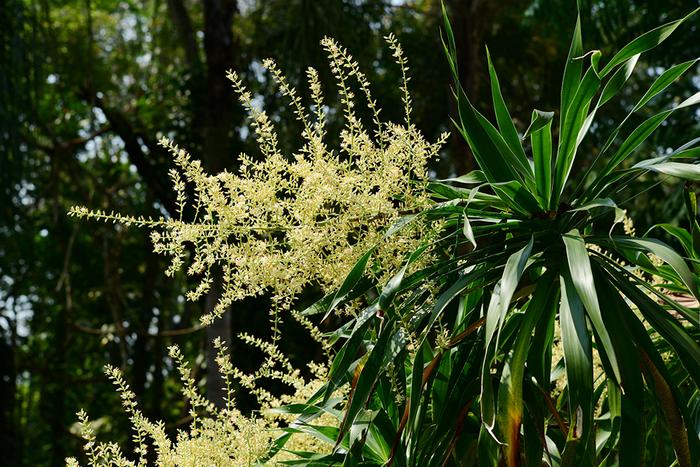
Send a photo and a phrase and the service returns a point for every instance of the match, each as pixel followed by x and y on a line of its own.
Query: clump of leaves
pixel 537 281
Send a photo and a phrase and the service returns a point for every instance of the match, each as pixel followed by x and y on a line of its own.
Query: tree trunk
pixel 9 434
pixel 468 28
pixel 217 148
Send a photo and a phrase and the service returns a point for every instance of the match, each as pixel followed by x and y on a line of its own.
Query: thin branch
pixel 154 177
pixel 167 333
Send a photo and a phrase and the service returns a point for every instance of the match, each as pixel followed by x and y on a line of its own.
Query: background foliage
pixel 86 88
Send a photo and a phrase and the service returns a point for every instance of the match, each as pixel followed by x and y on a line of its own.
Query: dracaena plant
pixel 544 330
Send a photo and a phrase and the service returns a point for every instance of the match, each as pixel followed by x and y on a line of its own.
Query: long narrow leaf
pixel 510 394
pixel 667 254
pixel 505 123
pixel 635 139
pixel 374 366
pixel 582 277
pixel 570 130
pixel 576 342
pixel 475 128
pixel 541 140
pixel 645 42
pixel 572 72
pixel 618 80
pixel 498 307
pixel 663 81
pixel 677 169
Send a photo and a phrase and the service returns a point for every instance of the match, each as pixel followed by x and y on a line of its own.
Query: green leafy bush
pixel 546 331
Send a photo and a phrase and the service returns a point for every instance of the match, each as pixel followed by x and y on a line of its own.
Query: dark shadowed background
pixel 88 86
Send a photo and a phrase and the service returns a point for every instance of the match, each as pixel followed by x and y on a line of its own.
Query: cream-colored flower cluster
pixel 276 225
pixel 282 222
pixel 216 436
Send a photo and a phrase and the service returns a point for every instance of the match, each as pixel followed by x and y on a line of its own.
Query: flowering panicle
pixel 216 436
pixel 341 60
pixel 198 403
pixel 138 422
pixel 317 99
pixel 277 224
pixel 282 222
pixel 397 53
